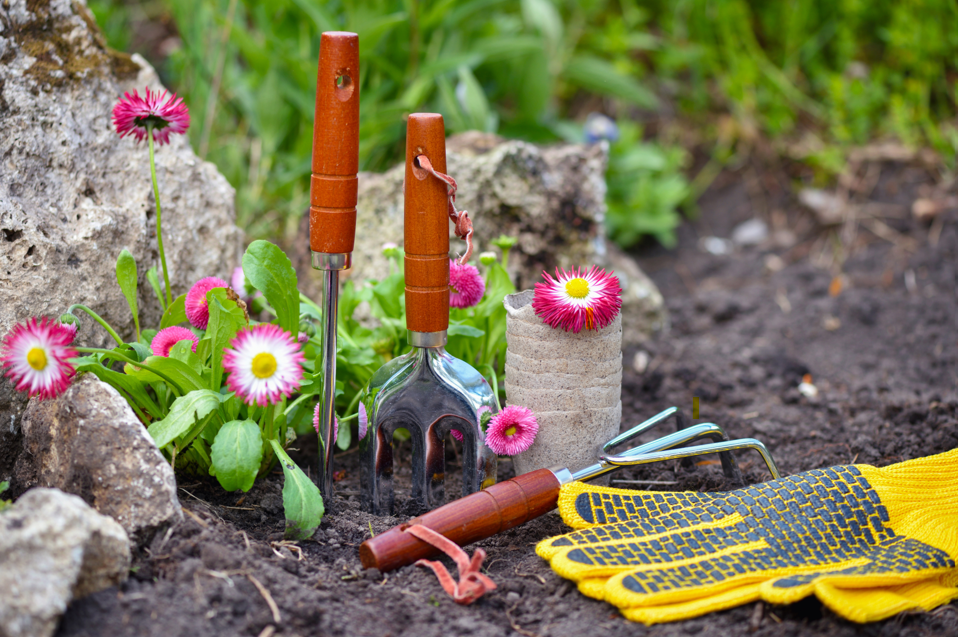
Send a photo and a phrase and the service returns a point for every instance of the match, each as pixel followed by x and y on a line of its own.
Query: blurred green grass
pixel 841 71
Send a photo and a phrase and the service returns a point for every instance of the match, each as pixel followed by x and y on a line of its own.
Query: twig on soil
pixel 245 538
pixel 516 627
pixel 237 508
pixel 198 519
pixel 292 547
pixel 541 579
pixel 268 631
pixel 269 598
pixel 755 621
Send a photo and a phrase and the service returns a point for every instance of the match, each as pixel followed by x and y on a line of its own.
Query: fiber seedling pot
pixel 573 383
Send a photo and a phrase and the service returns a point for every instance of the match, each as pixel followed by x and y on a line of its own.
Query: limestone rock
pixel 73 194
pixel 552 198
pixel 88 442
pixel 54 548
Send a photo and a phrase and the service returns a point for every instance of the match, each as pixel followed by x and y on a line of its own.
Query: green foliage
pixel 302 502
pixel 126 279
pixel 646 187
pixel 236 454
pixel 3 487
pixel 248 69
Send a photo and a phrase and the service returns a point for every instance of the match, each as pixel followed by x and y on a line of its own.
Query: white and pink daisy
pixel 133 114
pixel 166 338
pixel 36 357
pixel 466 286
pixel 512 430
pixel 316 415
pixel 264 364
pixel 577 299
pixel 196 309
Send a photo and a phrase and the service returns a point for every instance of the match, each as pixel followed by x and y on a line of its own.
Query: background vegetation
pixel 831 73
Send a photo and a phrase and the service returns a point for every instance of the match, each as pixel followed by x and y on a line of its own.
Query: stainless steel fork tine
pixel 631 460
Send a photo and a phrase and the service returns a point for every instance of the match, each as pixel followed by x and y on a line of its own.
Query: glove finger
pixel 872 604
pixel 695 518
pixel 724 600
pixel 891 564
pixel 605 550
pixel 582 506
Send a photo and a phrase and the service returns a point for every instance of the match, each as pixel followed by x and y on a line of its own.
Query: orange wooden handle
pixel 426 227
pixel 467 520
pixel 333 187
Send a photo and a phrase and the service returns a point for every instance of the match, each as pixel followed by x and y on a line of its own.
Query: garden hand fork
pixel 427 391
pixel 333 192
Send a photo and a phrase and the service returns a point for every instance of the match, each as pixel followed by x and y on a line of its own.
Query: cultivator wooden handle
pixel 426 227
pixel 469 519
pixel 334 186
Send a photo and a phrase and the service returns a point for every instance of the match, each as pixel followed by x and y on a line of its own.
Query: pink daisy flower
pixel 302 339
pixel 466 286
pixel 36 357
pixel 578 299
pixel 72 328
pixel 196 310
pixel 264 364
pixel 170 336
pixel 316 423
pixel 132 114
pixel 512 430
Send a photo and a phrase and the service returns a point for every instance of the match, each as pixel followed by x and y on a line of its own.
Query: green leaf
pixel 126 277
pixel 388 293
pixel 184 413
pixel 302 502
pixel 271 272
pixel 236 454
pixel 176 313
pixel 185 377
pixel 183 352
pixel 154 281
pixel 595 74
pixel 465 330
pixel 226 319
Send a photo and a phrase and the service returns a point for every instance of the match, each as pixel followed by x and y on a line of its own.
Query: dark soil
pixel 746 327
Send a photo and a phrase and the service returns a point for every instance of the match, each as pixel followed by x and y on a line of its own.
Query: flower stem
pixel 159 232
pixel 96 317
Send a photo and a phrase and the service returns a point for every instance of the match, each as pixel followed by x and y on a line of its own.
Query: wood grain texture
pixel 467 520
pixel 333 188
pixel 426 235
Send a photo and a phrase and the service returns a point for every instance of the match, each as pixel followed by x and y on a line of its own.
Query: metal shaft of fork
pixel 328 400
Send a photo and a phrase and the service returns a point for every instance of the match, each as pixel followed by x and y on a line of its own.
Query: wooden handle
pixel 426 227
pixel 333 187
pixel 467 520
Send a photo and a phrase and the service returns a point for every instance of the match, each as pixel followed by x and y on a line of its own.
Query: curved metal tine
pixel 675 439
pixel 628 460
pixel 638 429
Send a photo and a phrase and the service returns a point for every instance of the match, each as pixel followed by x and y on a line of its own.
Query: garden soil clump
pixel 867 311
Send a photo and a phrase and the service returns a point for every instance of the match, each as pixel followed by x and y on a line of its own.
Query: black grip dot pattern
pixel 817 518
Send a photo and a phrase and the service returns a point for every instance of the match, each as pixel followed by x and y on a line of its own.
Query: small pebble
pixel 513 597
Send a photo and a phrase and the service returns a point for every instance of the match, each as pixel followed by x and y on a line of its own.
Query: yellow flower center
pixel 264 365
pixel 511 431
pixel 577 288
pixel 37 359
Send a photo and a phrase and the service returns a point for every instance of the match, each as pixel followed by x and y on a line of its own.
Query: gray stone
pixel 88 442
pixel 53 549
pixel 73 194
pixel 551 198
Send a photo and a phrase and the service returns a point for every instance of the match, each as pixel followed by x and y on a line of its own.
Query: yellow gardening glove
pixel 868 542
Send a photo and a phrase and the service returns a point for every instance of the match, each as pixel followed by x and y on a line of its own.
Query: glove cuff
pixel 921 497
